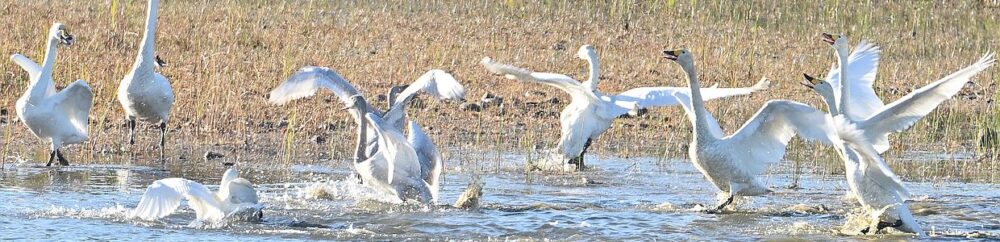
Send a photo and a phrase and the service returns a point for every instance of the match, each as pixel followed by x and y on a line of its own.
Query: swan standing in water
pixel 236 198
pixel 60 118
pixel 436 83
pixel 733 163
pixel 395 167
pixel 145 94
pixel 871 181
pixel 590 112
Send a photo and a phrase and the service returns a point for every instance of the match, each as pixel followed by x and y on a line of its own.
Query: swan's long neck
pixel 831 103
pixel 144 61
pixel 595 71
pixel 359 152
pixel 697 103
pixel 40 87
pixel 844 89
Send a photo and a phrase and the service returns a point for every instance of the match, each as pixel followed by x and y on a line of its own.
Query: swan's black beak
pixel 671 54
pixel 65 38
pixel 810 81
pixel 159 62
pixel 830 38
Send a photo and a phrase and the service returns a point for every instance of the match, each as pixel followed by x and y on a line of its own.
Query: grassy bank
pixel 224 56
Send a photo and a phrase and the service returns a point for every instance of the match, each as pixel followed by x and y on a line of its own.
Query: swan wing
pixel 872 165
pixel 436 83
pixel 862 67
pixel 713 125
pixel 903 113
pixel 431 163
pixel 29 66
pixel 648 97
pixel 399 155
pixel 75 100
pixel 241 191
pixel 308 80
pixel 164 196
pixel 565 83
pixel 762 139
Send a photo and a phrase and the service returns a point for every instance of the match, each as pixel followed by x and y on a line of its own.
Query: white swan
pixel 878 189
pixel 236 198
pixel 871 181
pixel 395 167
pixel 590 112
pixel 60 118
pixel 860 68
pixel 436 83
pixel 145 94
pixel 733 163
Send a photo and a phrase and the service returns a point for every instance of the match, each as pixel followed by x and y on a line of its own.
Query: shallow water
pixel 620 199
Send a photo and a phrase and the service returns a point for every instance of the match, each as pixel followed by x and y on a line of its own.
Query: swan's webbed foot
pixel 62 160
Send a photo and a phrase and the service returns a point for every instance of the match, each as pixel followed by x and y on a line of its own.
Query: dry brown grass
pixel 226 55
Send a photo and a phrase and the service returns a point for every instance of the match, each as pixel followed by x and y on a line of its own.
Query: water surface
pixel 619 200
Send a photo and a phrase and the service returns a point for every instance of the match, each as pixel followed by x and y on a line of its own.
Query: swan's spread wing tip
pixel 763 84
pixel 307 80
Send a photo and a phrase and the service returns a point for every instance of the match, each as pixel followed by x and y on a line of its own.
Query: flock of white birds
pixel 408 166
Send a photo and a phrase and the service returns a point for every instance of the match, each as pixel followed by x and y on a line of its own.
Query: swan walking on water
pixel 590 112
pixel 436 83
pixel 733 163
pixel 871 181
pixel 58 117
pixel 145 94
pixel 236 198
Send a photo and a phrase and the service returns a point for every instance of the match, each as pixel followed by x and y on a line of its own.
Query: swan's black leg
pixel 163 137
pixel 130 122
pixel 52 157
pixel 578 161
pixel 881 225
pixel 723 205
pixel 62 160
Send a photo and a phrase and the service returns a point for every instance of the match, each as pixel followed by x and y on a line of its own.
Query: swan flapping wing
pixel 431 163
pixel 565 83
pixel 903 113
pixel 75 100
pixel 762 139
pixel 436 83
pixel 862 67
pixel 164 196
pixel 648 97
pixel 240 191
pixel 308 80
pixel 399 155
pixel 870 163
pixel 29 66
pixel 713 125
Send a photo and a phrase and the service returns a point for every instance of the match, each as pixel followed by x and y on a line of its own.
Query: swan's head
pixel 838 42
pixel 586 52
pixel 819 85
pixel 681 56
pixel 59 33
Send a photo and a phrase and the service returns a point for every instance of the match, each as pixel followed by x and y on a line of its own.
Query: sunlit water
pixel 619 200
